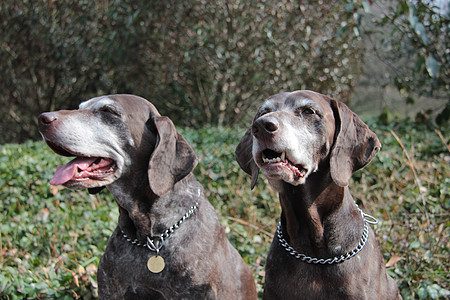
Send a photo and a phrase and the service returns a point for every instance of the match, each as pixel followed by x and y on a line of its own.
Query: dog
pixel 169 243
pixel 308 145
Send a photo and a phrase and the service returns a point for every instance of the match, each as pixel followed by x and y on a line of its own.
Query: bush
pixel 50 59
pixel 201 62
pixel 52 238
pixel 412 39
pixel 220 59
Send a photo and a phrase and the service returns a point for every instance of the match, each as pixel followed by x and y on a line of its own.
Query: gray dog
pixel 169 243
pixel 308 145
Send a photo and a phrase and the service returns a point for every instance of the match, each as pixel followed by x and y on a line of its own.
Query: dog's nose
pixel 47 118
pixel 266 125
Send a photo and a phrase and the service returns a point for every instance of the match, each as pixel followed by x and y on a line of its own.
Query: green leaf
pixel 412 15
pixel 421 32
pixel 432 66
pixel 366 6
pixel 422 293
pixel 432 291
pixel 414 245
pixel 444 293
pixel 349 7
pixel 413 21
pixel 357 17
pixel 342 29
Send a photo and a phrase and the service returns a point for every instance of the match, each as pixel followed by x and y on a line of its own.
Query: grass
pixel 52 238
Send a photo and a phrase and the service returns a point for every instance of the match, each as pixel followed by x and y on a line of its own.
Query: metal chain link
pixel 155 243
pixel 368 219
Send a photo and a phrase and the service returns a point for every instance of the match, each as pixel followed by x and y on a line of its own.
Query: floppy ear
pixel 354 144
pixel 244 156
pixel 171 160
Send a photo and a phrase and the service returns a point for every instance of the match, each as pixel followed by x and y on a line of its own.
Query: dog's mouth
pixel 82 168
pixel 273 159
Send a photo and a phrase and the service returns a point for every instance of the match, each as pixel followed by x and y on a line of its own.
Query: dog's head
pixel 293 134
pixel 116 137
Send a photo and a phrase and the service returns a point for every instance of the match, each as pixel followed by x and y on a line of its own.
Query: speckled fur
pixel 319 217
pixel 153 187
pixel 200 262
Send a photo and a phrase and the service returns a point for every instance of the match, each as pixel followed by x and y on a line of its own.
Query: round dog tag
pixel 156 264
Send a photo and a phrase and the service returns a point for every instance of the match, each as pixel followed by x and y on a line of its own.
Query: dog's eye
pixel 304 111
pixel 263 112
pixel 110 110
pixel 308 111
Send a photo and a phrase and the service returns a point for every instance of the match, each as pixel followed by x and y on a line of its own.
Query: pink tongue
pixel 66 172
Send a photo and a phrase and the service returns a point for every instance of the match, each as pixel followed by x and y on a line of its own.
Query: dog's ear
pixel 244 156
pixel 171 160
pixel 354 144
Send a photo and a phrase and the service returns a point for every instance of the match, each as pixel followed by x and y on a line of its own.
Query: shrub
pixel 201 62
pixel 52 238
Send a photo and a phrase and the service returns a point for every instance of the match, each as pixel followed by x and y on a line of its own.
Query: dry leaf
pixel 75 280
pixel 81 270
pixel 91 269
pixel 54 190
pixel 394 259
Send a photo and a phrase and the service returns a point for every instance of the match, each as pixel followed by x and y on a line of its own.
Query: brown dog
pixel 169 243
pixel 308 145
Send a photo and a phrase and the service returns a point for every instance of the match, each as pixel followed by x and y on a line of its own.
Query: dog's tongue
pixel 66 172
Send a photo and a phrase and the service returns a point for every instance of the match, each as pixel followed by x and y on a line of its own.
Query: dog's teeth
pixel 271 160
pixel 279 159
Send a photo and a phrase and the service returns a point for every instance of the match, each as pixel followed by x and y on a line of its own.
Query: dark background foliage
pixel 201 62
pixel 211 62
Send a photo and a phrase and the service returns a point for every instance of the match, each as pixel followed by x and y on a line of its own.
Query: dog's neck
pixel 319 217
pixel 145 214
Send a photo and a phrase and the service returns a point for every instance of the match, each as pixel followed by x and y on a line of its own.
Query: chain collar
pixel 368 219
pixel 155 243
